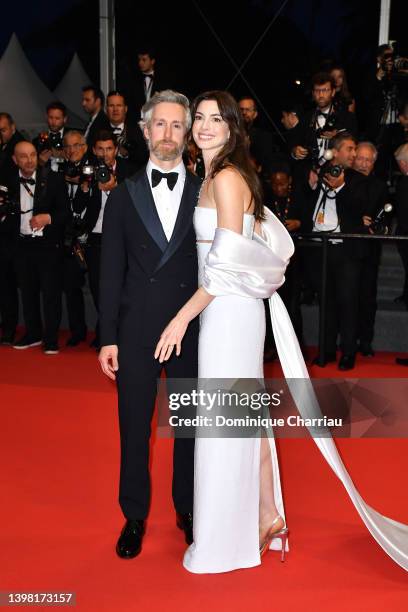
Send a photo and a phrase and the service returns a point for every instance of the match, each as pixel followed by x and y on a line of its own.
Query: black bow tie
pixel 171 178
pixel 27 181
pixel 149 76
pixel 322 114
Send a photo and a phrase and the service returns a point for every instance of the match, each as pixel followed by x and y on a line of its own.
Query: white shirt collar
pixel 180 169
pixel 33 176
pixel 121 126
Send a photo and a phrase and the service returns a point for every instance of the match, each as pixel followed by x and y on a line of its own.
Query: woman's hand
pixel 170 338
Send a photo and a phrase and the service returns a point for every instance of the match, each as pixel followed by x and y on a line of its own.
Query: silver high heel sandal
pixel 272 533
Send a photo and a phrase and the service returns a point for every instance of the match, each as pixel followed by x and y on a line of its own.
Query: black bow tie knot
pixel 27 181
pixel 171 178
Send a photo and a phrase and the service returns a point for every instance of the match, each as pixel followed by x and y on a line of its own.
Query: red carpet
pixel 60 519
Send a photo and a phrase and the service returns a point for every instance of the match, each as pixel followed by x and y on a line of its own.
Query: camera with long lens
pixel 8 206
pixel 329 169
pixel 98 173
pixel 380 224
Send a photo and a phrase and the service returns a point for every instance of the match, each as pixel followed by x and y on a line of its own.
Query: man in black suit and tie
pixel 92 102
pixel 131 143
pixel 139 87
pixel 148 271
pixel 105 150
pixel 337 204
pixel 43 211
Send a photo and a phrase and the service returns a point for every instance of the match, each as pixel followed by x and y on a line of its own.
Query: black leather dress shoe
pixel 75 340
pixel 402 361
pixel 130 541
pixel 185 522
pixel 366 350
pixel 347 362
pixel 328 358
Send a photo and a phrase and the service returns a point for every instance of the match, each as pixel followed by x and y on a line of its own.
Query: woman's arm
pixel 229 192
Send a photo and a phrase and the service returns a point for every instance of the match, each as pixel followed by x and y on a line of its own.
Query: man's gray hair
pixel 401 154
pixel 369 145
pixel 167 95
pixel 75 133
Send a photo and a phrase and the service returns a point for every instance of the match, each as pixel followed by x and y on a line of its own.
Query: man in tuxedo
pixel 148 271
pixel 366 155
pixel 75 151
pixel 131 144
pixel 337 204
pixel 93 100
pixel 38 226
pixel 105 150
pixel 49 142
pixel 139 86
pixel 401 205
pixel 309 139
pixel 9 137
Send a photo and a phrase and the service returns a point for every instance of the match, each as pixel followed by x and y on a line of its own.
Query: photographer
pixel 9 137
pixel 49 142
pixel 375 220
pixel 75 150
pixel 93 100
pixel 309 139
pixel 131 143
pixel 336 202
pixel 108 173
pixel 382 93
pixel 41 211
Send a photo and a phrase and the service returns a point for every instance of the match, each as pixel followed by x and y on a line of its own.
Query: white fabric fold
pixel 255 268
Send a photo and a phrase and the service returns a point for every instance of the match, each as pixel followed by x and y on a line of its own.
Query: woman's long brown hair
pixel 235 152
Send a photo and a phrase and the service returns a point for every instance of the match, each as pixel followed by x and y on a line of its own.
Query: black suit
pixel 6 156
pixel 39 260
pixel 377 198
pixel 145 280
pixel 304 134
pixel 132 84
pixel 74 274
pixel 401 202
pixel 344 261
pixel 101 122
pixel 93 245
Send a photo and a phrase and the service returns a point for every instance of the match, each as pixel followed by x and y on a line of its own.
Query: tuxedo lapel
pixel 142 198
pixel 183 221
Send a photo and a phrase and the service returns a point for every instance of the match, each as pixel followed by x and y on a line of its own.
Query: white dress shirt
pixel 26 207
pixel 167 201
pixel 88 127
pixel 330 222
pixel 148 85
pixel 118 129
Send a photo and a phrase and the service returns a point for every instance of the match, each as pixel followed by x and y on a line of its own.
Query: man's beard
pixel 166 154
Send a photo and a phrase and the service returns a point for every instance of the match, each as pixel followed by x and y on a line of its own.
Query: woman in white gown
pixel 243 252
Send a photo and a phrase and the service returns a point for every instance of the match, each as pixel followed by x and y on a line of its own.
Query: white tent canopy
pixel 23 94
pixel 69 88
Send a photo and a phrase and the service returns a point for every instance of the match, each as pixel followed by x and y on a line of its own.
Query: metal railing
pixel 325 238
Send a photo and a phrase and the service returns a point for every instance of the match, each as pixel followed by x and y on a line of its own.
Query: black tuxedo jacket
pixel 123 170
pixel 304 133
pixel 50 196
pixel 144 278
pixel 378 195
pixel 101 122
pixel 6 156
pixel 401 202
pixel 131 82
pixel 352 203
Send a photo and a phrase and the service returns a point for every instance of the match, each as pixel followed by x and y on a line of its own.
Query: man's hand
pixel 44 156
pixel 37 222
pixel 367 222
pixel 313 179
pixel 334 182
pixel 108 358
pixel 111 184
pixel 292 224
pixel 299 152
pixel 72 179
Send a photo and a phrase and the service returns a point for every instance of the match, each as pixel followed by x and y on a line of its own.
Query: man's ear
pixel 256 114
pixel 146 132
